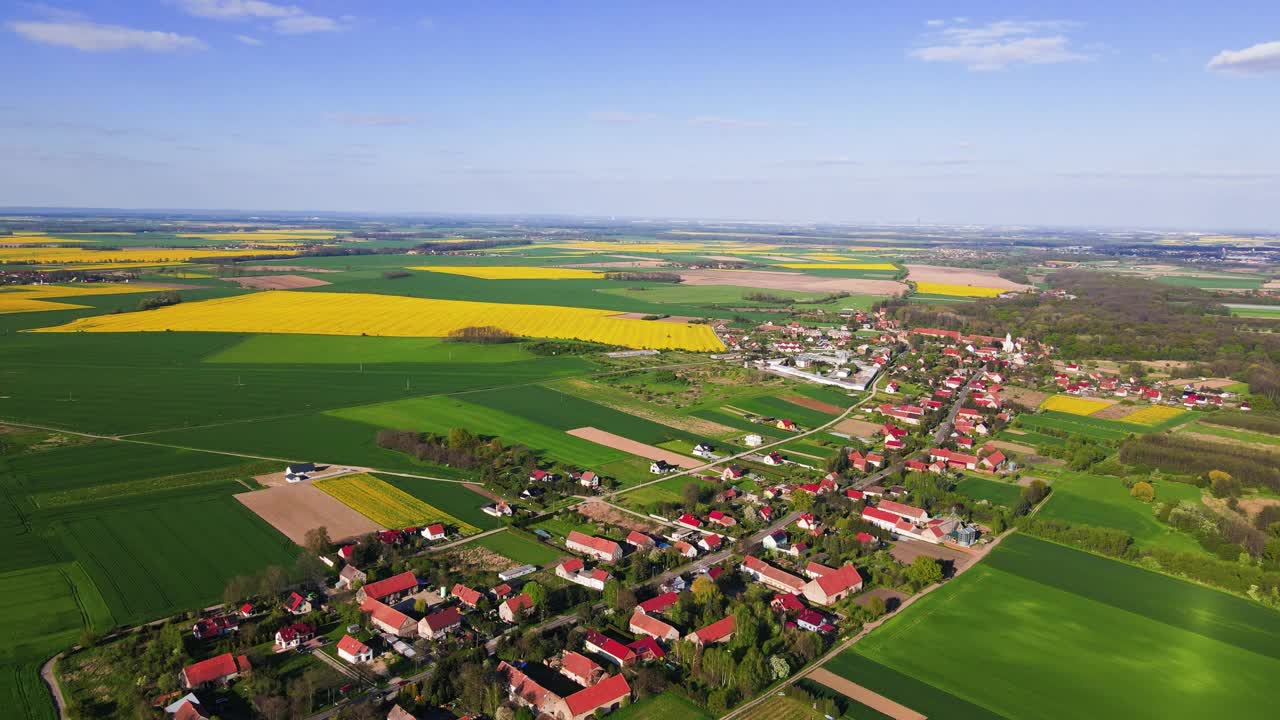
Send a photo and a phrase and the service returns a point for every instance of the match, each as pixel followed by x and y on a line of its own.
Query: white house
pixel 434 532
pixel 753 440
pixel 354 651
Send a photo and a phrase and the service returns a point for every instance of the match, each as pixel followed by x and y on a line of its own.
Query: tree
pixel 876 606
pixel 752 673
pixel 692 494
pixel 924 571
pixel 1222 484
pixel 704 588
pixel 273 581
pixel 1143 491
pixel 778 667
pixel 317 540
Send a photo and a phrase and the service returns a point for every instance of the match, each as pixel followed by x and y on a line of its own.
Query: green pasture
pixel 776 407
pixel 994 492
pixel 1104 501
pixel 666 706
pixel 1080 425
pixel 521 547
pixel 1255 311
pixel 1033 611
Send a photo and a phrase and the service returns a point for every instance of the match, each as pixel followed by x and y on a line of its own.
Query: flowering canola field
pixel 99 257
pixel 321 313
pixel 1153 415
pixel 1074 405
pixel 36 298
pixel 514 273
pixel 386 504
pixel 928 288
pixel 839 266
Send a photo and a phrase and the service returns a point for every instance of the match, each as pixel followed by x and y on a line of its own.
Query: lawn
pixel 453 498
pixel 1034 611
pixel 996 493
pixel 670 490
pixel 386 504
pixel 521 547
pixel 667 706
pixel 441 413
pixel 1104 501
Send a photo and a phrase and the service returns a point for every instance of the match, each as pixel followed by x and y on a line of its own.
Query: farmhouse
pixel 434 532
pixel 646 649
pixel 579 668
pixel 642 624
pixel 514 608
pixel 718 631
pixel 500 509
pixel 187 708
pixel 771 576
pixel 297 604
pixel 214 627
pixel 721 519
pixel 574 571
pixel 218 670
pixel 733 472
pixel 354 651
pixel 390 591
pixel 831 587
pixel 388 619
pixel 689 521
pixel 466 595
pixel 610 649
pixel 350 576
pixel 601 698
pixel 440 624
pixel 661 467
pixel 914 514
pixel 773 458
pixel 639 540
pixel 291 636
pixel 601 549
pixel 685 549
pixel 813 621
pixel 658 604
pixel 589 479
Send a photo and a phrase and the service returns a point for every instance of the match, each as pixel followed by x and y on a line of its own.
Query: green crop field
pixel 1255 312
pixel 339 349
pixel 706 295
pixel 734 420
pixel 1104 501
pixel 779 408
pixel 1210 282
pixel 521 547
pixel 439 414
pixel 1033 611
pixel 453 498
pixel 1080 425
pixel 996 493
pixel 667 706
pixel 782 708
pixel 1024 436
pixel 563 411
pixel 1229 433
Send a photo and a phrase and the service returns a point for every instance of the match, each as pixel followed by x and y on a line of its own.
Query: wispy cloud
pixel 373 119
pixel 999 44
pixel 728 123
pixel 284 19
pixel 249 40
pixel 1253 60
pixel 621 117
pixel 95 37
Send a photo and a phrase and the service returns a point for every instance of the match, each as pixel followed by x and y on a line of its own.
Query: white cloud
pixel 94 37
pixel 935 23
pixel 285 19
pixel 999 44
pixel 1255 59
pixel 248 40
pixel 373 119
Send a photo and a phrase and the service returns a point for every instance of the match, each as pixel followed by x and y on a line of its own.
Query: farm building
pixel 514 608
pixel 610 649
pixel 601 549
pixel 354 651
pixel 350 576
pixel 642 624
pixel 389 620
pixel 579 668
pixel 833 585
pixel 291 636
pixel 771 576
pixel 658 604
pixel 516 572
pixel 440 624
pixel 218 670
pixel 297 604
pixel 434 532
pixel 466 595
pixel 214 627
pixel 639 540
pixel 716 632
pixel 390 591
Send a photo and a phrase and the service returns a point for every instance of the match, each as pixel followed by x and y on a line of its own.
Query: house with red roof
pixel 685 549
pixel 639 540
pixel 391 590
pixel 642 624
pixel 388 619
pixel 807 522
pixel 914 514
pixel 466 595
pixel 814 621
pixel 994 461
pixel 580 668
pixel 716 632
pixel 589 479
pixel 297 604
pixel 524 690
pixel 512 609
pixel 689 521
pixel 721 519
pixel 814 570
pixel 602 698
pixel 867 538
pixel 189 708
pixel 608 648
pixel 733 472
pixel 440 623
pixel 602 549
pixel 646 649
pixel 710 542
pixel 291 636
pixel 434 532
pixel 763 572
pixel 218 670
pixel 215 627
pixel 658 604
pixel 500 592
pixel 246 610
pixel 833 586
pixel 354 651
pixel 786 603
pixel 785 424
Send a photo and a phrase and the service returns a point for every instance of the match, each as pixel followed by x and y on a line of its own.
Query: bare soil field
pixel 770 280
pixel 293 268
pixel 1013 447
pixel 871 699
pixel 1218 439
pixel 961 276
pixel 724 258
pixel 471 557
pixel 904 551
pixel 295 509
pixel 1271 285
pixel 277 282
pixel 480 489
pixel 1116 412
pixel 892 598
pixel 605 513
pixel 1024 396
pixel 617 442
pixel 857 428
pixel 619 264
pixel 812 404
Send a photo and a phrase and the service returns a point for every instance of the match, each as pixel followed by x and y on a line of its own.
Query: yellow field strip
pixel 506 272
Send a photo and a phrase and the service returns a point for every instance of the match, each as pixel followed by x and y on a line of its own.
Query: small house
pixel 354 651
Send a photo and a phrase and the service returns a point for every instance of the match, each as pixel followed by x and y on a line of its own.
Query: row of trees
pixel 1183 455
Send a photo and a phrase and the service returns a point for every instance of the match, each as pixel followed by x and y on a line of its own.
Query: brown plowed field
pixel 961 276
pixel 871 699
pixel 277 282
pixel 769 280
pixel 295 509
pixel 812 404
pixel 617 442
pixel 1024 396
pixel 857 428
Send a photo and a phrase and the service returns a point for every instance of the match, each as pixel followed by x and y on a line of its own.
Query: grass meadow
pixel 1104 501
pixel 994 492
pixel 667 706
pixel 521 547
pixel 1039 622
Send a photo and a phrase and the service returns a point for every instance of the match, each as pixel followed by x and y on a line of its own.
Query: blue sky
pixel 1161 114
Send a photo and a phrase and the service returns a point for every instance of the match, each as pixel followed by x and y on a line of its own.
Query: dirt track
pixel 769 280
pixel 295 509
pixel 871 699
pixel 650 452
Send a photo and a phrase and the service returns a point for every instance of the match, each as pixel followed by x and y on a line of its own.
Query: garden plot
pixel 295 509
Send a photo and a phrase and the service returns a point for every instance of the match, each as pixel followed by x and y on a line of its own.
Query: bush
pixel 160 300
pixel 1143 491
pixel 484 335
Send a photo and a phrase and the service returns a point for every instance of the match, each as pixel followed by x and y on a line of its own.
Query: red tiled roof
pixel 522 686
pixel 687 519
pixel 650 625
pixel 761 567
pixel 649 646
pixel 502 590
pixel 437 529
pixel 519 602
pixel 864 537
pixel 443 619
pixel 188 711
pixel 384 613
pixel 602 545
pixel 639 539
pixel 609 646
pixel 466 594
pixel 579 665
pixel 572 565
pixel 871 513
pixel 898 508
pixel 839 580
pixel 818 569
pixel 215 668
pixel 352 646
pixel 716 631
pixel 659 603
pixel 396 584
pixel 604 693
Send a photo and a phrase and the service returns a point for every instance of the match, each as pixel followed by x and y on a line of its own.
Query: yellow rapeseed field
pixel 386 504
pixel 839 266
pixel 265 235
pixel 1074 405
pixel 37 298
pixel 97 258
pixel 1153 415
pixel 321 313
pixel 504 272
pixel 928 288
